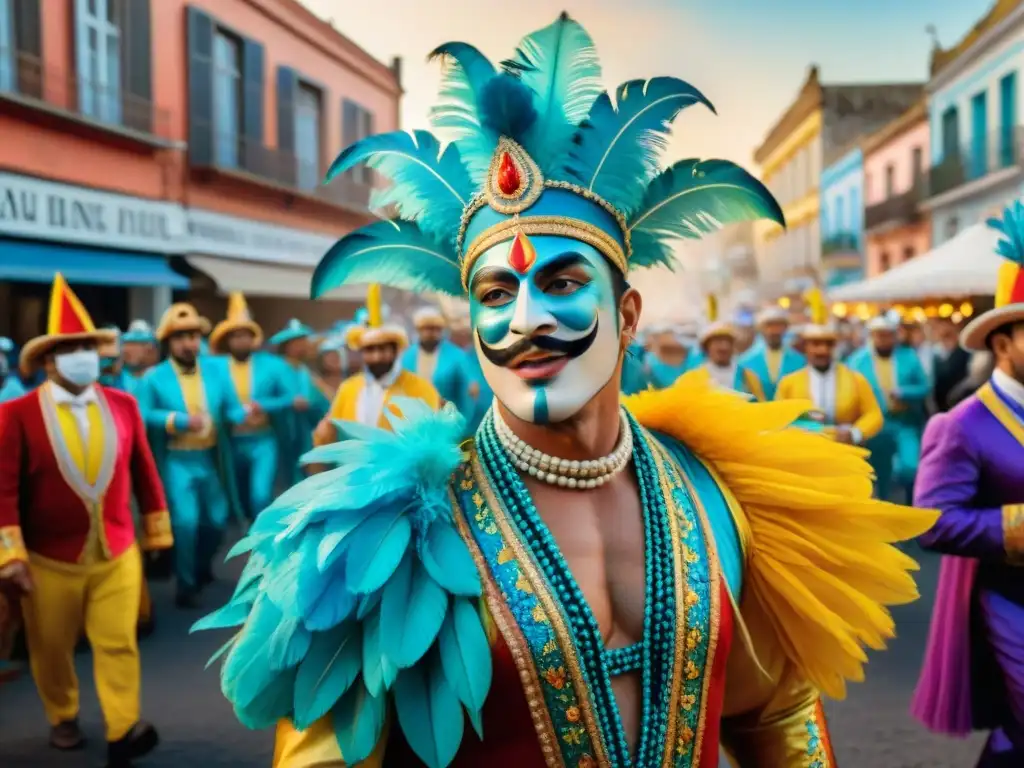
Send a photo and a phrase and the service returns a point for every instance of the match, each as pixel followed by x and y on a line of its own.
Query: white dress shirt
pixel 78 405
pixel 823 394
pixel 426 362
pixel 372 396
pixel 1009 386
pixel 722 375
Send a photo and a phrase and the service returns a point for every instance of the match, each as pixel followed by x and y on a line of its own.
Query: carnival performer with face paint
pixel 74 452
pixel 574 578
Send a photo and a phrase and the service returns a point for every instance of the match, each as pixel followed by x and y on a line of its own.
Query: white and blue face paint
pixel 546 325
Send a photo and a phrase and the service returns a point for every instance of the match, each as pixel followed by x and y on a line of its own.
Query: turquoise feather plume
pixel 693 198
pixel 1011 227
pixel 559 64
pixel 393 253
pixel 359 589
pixel 457 115
pixel 428 186
pixel 618 149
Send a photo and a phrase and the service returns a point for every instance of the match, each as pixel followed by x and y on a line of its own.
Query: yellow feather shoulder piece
pixel 820 559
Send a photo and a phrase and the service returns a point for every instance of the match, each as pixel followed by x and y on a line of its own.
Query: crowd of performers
pixel 592 547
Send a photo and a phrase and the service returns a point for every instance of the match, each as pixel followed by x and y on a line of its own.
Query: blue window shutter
pixel 200 87
pixel 252 104
pixel 287 88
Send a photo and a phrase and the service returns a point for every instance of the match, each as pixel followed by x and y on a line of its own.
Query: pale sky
pixel 749 57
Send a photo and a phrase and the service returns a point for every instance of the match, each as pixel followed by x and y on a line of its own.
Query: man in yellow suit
pixel 843 399
pixel 363 397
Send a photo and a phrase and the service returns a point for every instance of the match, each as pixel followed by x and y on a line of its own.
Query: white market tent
pixel 966 265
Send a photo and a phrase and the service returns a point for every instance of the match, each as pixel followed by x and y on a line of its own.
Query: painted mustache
pixel 570 348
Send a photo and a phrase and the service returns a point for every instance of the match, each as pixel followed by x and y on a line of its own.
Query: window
pixel 1007 120
pixel 227 99
pixel 890 180
pixel 950 134
pixel 883 261
pixel 952 227
pixel 98 41
pixel 7 55
pixel 917 164
pixel 908 252
pixel 307 137
pixel 357 124
pixel 979 135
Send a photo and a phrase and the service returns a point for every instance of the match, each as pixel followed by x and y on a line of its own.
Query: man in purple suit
pixel 972 470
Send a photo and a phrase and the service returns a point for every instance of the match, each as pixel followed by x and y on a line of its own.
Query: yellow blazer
pixel 343 408
pixel 856 404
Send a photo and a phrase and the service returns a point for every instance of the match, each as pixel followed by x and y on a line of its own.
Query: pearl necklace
pixel 566 473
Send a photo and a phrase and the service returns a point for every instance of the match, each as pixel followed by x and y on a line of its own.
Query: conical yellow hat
pixel 238 319
pixel 376 331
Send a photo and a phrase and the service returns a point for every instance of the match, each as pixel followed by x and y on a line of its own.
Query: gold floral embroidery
pixel 573 735
pixel 690 670
pixel 505 555
pixel 538 614
pixel 693 637
pixel 523 584
pixel 685 740
pixel 687 701
pixel 692 598
pixel 586 762
pixel 572 714
pixel 549 647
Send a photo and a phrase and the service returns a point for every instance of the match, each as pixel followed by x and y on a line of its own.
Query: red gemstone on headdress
pixel 521 255
pixel 509 179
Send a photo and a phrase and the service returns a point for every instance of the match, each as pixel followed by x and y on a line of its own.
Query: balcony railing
pixel 998 151
pixel 898 209
pixel 234 153
pixel 26 79
pixel 844 242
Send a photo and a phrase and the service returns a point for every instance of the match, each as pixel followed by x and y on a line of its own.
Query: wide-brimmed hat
pixel 181 318
pixel 774 314
pixel 238 319
pixel 429 317
pixel 294 329
pixel 887 323
pixel 67 321
pixel 717 330
pixel 1009 298
pixel 139 332
pixel 373 330
pixel 819 332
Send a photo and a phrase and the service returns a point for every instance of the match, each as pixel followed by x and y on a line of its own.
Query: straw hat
pixel 238 319
pixel 429 317
pixel 374 330
pixel 180 318
pixel 67 321
pixel 717 330
pixel 1009 304
pixel 773 314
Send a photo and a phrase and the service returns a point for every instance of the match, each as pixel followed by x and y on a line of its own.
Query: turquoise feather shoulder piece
pixel 359 590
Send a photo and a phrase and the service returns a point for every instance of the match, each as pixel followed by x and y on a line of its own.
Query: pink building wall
pixel 889 247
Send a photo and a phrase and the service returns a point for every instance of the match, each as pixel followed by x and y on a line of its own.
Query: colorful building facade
pixel 163 150
pixel 816 131
pixel 895 173
pixel 842 219
pixel 974 106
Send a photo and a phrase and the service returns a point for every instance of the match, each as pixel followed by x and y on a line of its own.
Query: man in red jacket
pixel 72 454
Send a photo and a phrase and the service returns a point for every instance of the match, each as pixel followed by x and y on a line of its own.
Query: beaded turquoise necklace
pixel 656 653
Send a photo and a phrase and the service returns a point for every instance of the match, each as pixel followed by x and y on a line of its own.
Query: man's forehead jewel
pixel 517 164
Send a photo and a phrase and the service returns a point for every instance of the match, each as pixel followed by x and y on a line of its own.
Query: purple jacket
pixel 972 466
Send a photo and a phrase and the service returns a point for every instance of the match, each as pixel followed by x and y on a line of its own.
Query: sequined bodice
pixel 554 637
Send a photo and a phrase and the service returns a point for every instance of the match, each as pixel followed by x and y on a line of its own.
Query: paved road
pixel 871 729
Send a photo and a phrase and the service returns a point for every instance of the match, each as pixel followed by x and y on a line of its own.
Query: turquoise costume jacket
pixel 911 382
pixel 450 378
pixel 756 359
pixel 295 428
pixel 160 399
pixel 635 375
pixel 485 396
pixel 663 375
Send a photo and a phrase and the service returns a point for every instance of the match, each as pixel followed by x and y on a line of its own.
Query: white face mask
pixel 80 368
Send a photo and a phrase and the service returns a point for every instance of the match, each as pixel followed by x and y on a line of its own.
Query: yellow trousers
pixel 103 599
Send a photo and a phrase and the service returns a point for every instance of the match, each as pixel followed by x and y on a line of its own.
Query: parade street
pixel 871 730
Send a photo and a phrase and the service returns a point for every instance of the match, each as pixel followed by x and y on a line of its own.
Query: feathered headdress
pixel 537 146
pixel 1009 295
pixel 820 327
